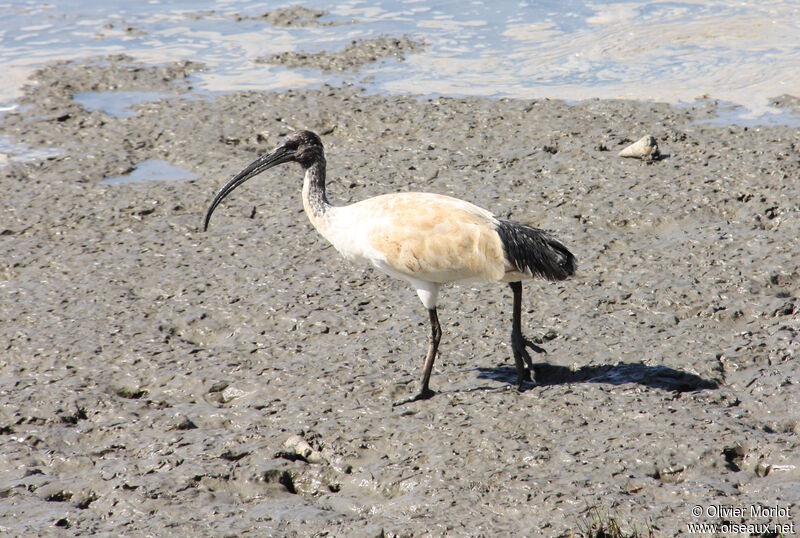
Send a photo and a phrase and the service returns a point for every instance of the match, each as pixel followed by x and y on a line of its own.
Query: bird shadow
pixel 659 377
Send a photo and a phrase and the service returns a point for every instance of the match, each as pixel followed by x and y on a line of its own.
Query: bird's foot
pixel 519 345
pixel 525 378
pixel 424 394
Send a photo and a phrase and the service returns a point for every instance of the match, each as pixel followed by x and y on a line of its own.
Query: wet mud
pixel 158 380
pixel 353 57
pixel 294 16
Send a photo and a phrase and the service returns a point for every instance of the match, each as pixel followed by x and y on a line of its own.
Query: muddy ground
pixel 151 373
pixel 356 55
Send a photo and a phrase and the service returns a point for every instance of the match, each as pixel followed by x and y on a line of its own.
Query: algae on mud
pixel 152 373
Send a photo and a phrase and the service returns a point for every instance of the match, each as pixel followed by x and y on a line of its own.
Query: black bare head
pixel 306 147
pixel 303 147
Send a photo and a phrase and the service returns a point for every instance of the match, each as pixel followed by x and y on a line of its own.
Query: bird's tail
pixel 535 252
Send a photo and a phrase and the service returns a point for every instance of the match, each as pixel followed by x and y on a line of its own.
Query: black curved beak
pixel 275 157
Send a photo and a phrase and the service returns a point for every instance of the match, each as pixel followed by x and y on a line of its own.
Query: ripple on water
pixel 743 53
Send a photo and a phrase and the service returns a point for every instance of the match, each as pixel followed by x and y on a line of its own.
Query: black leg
pixel 519 342
pixel 433 346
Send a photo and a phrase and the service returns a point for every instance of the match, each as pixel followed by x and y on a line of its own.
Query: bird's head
pixel 303 147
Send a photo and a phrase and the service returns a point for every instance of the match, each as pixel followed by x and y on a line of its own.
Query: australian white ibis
pixel 425 239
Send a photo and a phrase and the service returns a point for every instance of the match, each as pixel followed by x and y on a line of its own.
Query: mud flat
pixel 158 380
pixel 354 56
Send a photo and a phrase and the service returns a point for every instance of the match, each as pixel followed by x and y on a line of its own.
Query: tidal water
pixel 741 53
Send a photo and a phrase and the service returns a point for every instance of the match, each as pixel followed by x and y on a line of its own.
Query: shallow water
pixel 117 104
pixel 152 170
pixel 744 53
pixel 23 152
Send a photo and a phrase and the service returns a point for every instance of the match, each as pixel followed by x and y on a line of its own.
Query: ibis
pixel 426 239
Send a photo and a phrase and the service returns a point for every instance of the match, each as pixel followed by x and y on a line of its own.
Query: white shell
pixel 297 445
pixel 644 148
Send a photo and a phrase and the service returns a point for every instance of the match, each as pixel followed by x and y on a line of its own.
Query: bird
pixel 425 239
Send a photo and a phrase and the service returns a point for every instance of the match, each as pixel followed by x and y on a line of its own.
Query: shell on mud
pixel 300 447
pixel 644 148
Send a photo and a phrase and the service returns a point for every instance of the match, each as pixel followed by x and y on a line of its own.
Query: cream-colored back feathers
pixel 419 236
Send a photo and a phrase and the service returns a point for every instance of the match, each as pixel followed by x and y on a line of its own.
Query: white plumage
pixel 425 239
